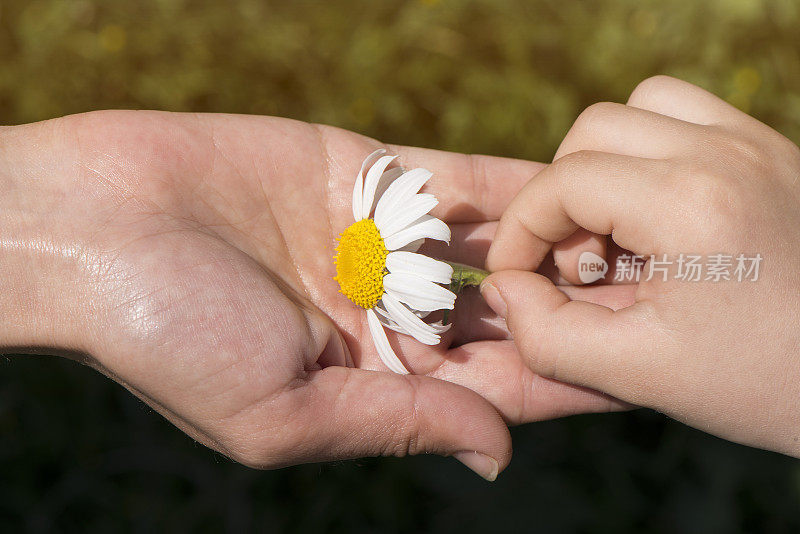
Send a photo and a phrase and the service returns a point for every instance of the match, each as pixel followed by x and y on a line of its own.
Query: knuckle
pixel 566 165
pixel 791 150
pixel 740 151
pixel 748 150
pixel 531 344
pixel 407 437
pixel 594 116
pixel 786 155
pixel 705 191
pixel 405 444
pixel 586 125
pixel 566 170
pixel 478 174
pixel 712 191
pixel 713 201
pixel 742 156
pixel 650 89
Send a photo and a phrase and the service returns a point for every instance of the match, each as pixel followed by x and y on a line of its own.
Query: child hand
pixel 676 171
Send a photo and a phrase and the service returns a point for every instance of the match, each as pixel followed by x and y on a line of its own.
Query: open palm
pixel 199 248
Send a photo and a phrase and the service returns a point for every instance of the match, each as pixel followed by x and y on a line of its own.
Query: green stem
pixel 463 276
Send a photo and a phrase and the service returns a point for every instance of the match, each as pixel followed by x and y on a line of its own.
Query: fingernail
pixel 494 300
pixel 483 465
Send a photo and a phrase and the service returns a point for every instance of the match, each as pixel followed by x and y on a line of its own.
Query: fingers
pixel 473 319
pixel 567 253
pixel 470 188
pixel 602 193
pixel 614 297
pixel 495 371
pixel 574 341
pixel 350 413
pixel 630 131
pixel 470 244
pixel 685 101
pixel 664 118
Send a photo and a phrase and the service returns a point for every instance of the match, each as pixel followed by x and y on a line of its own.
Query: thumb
pixel 574 341
pixel 350 413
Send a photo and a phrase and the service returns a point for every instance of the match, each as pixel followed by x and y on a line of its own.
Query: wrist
pixel 42 297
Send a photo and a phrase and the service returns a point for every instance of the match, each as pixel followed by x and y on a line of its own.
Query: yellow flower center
pixel 361 263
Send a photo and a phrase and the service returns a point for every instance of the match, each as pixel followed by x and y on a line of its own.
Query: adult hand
pixel 189 257
pixel 675 171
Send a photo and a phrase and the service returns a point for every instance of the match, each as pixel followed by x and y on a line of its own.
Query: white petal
pixel 387 179
pixel 371 183
pixel 420 265
pixel 426 227
pixel 387 321
pixel 439 328
pixel 399 192
pixel 385 351
pixel 418 293
pixel 415 326
pixel 357 198
pixel 358 188
pixel 406 214
pixel 391 325
pixel 418 313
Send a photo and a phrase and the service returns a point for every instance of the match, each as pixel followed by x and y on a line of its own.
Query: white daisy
pixel 377 265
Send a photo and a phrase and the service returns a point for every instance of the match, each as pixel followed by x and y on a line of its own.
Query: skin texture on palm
pixel 189 257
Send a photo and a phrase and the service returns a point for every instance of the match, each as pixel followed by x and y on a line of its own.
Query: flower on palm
pixel 377 264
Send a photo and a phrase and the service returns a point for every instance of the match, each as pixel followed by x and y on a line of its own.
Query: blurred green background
pixel 77 453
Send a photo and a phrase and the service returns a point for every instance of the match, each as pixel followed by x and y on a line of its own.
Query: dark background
pixel 78 453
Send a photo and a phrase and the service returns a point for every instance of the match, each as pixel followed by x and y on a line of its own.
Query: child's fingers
pixel 600 192
pixel 576 341
pixel 567 254
pixel 470 244
pixel 629 131
pixel 682 100
pixel 496 370
pixel 614 296
pixel 473 319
